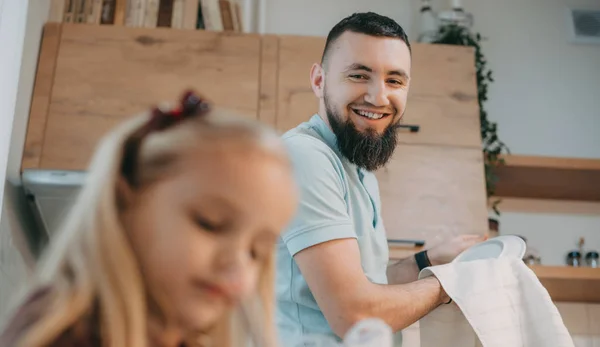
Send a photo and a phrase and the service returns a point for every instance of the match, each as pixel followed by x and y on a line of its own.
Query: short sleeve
pixel 322 214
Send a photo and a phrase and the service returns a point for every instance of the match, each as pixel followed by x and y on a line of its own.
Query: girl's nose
pixel 235 273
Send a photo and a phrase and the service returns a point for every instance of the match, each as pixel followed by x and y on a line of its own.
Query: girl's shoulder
pixel 82 334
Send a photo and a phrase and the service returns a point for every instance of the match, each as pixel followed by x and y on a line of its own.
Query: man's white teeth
pixel 370 114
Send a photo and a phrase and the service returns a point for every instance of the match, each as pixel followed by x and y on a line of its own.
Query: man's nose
pixel 377 94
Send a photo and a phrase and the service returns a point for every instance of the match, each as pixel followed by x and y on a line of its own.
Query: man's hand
pixel 447 251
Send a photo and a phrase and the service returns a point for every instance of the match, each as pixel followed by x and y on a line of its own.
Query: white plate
pixel 497 247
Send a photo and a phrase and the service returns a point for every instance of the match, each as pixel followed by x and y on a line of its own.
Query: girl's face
pixel 203 233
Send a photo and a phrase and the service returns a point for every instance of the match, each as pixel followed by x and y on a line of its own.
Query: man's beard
pixel 367 150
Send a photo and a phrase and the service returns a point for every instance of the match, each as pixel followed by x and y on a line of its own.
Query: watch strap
pixel 422 260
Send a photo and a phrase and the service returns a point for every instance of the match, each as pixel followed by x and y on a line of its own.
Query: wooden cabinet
pixel 92 77
pixel 571 284
pixel 296 101
pixel 431 192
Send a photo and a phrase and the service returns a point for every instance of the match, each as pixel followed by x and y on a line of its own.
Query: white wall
pixel 21 24
pixel 316 17
pixel 545 98
pixel 13 15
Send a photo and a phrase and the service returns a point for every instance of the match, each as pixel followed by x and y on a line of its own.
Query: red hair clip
pixel 191 105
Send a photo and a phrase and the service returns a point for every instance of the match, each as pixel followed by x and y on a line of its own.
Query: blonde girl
pixel 170 242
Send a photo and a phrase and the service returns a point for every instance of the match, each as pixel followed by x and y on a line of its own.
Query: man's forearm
pixel 401 305
pixel 403 271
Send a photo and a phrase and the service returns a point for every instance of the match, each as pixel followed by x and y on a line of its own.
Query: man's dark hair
pixel 368 23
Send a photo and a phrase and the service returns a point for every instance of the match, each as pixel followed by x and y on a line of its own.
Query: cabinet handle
pixel 412 128
pixel 417 243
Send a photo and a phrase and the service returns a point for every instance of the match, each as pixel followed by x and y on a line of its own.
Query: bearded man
pixel 333 260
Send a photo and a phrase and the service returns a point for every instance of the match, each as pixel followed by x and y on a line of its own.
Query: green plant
pixel 452 34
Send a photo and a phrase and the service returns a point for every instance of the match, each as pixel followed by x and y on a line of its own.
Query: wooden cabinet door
pixel 104 74
pixel 296 102
pixel 442 98
pixel 432 192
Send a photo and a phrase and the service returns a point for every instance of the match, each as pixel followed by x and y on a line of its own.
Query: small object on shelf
pixel 591 259
pixel 574 258
pixel 531 259
pixel 531 256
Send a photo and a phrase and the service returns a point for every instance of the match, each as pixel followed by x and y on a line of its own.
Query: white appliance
pixel 51 193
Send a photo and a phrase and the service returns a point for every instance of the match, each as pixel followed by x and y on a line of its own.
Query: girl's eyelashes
pixel 208 224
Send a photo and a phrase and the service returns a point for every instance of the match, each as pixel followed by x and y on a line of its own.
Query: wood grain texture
pixel 296 101
pixel 570 284
pixel 41 97
pixel 269 68
pixel 443 71
pixel 441 121
pixel 549 206
pixel 549 178
pixel 545 162
pixel 106 74
pixel 431 193
pixel 442 98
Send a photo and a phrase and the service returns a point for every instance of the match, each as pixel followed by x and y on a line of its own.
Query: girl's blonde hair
pixel 91 264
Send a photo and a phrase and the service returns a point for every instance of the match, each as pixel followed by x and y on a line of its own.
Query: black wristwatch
pixel 422 260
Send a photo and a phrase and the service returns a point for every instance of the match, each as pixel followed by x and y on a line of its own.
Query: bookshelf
pixel 214 15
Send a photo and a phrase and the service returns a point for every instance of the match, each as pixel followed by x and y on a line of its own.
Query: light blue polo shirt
pixel 337 200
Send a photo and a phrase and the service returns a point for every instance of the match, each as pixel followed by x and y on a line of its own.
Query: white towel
pixel 496 303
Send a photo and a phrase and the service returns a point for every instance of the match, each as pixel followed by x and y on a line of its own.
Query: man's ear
pixel 317 80
pixel 125 193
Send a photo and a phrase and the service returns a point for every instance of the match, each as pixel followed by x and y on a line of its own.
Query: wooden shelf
pixel 549 178
pixel 549 206
pixel 574 284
